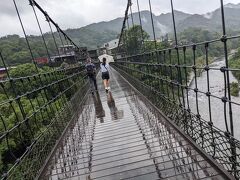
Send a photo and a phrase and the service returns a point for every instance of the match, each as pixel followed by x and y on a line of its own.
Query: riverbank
pixel 217 89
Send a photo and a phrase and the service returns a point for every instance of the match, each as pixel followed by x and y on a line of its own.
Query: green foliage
pixel 201 62
pixel 15 50
pixel 194 35
pixel 23 70
pixel 25 101
pixel 91 38
pixel 150 45
pixel 234 89
pixel 134 38
pixel 236 55
pixel 64 65
pixel 234 63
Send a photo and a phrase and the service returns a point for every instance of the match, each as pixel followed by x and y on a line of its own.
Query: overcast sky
pixel 78 13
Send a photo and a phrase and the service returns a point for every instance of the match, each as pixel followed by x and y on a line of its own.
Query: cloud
pixel 200 6
pixel 7 7
pixel 78 13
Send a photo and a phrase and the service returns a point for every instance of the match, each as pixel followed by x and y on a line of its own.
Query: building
pixel 111 46
pixel 68 54
pixel 41 60
pixel 93 54
pixel 102 50
pixel 67 50
pixel 3 73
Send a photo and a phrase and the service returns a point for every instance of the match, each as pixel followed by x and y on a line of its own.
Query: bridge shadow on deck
pixel 118 136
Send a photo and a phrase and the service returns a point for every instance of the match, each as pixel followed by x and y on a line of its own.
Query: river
pixel 217 106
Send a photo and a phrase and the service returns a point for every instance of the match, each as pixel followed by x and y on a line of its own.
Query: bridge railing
pixel 179 80
pixel 37 102
pixel 34 113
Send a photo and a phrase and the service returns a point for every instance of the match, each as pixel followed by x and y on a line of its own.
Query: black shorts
pixel 105 75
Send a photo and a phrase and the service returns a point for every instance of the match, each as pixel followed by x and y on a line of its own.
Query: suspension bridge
pixel 149 126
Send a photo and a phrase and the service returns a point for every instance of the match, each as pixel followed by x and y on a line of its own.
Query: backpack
pixel 90 69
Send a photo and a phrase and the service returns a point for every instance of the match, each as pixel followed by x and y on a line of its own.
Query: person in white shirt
pixel 105 74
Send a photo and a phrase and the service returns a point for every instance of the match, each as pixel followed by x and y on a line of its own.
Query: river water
pixel 216 78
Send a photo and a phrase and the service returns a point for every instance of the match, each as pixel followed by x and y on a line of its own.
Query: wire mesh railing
pixel 37 102
pixel 187 84
pixel 34 115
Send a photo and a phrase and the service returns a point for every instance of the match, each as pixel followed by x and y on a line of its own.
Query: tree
pixel 235 64
pixel 134 38
pixel 23 96
pixel 23 70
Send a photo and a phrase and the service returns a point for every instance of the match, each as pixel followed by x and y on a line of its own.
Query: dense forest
pixel 28 104
pixel 15 50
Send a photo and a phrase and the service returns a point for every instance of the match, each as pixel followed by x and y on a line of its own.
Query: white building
pixel 110 46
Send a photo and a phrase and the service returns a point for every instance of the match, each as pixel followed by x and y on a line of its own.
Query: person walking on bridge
pixel 91 73
pixel 105 74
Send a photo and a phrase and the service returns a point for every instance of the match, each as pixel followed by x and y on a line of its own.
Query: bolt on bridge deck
pixel 121 135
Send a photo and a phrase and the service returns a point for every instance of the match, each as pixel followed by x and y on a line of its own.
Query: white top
pixel 104 68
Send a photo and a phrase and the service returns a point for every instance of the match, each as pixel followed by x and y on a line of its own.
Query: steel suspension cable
pixel 140 22
pixel 153 28
pixel 59 34
pixel 124 24
pixel 227 92
pixel 54 23
pixel 25 35
pixel 47 19
pixel 29 47
pixel 178 59
pixel 39 26
pixel 227 88
pixel 131 12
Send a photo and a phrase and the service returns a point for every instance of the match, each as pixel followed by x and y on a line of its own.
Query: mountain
pixel 15 50
pixel 231 5
pixel 113 25
pixel 87 37
pixel 96 34
pixel 232 14
pixel 195 20
pixel 166 19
